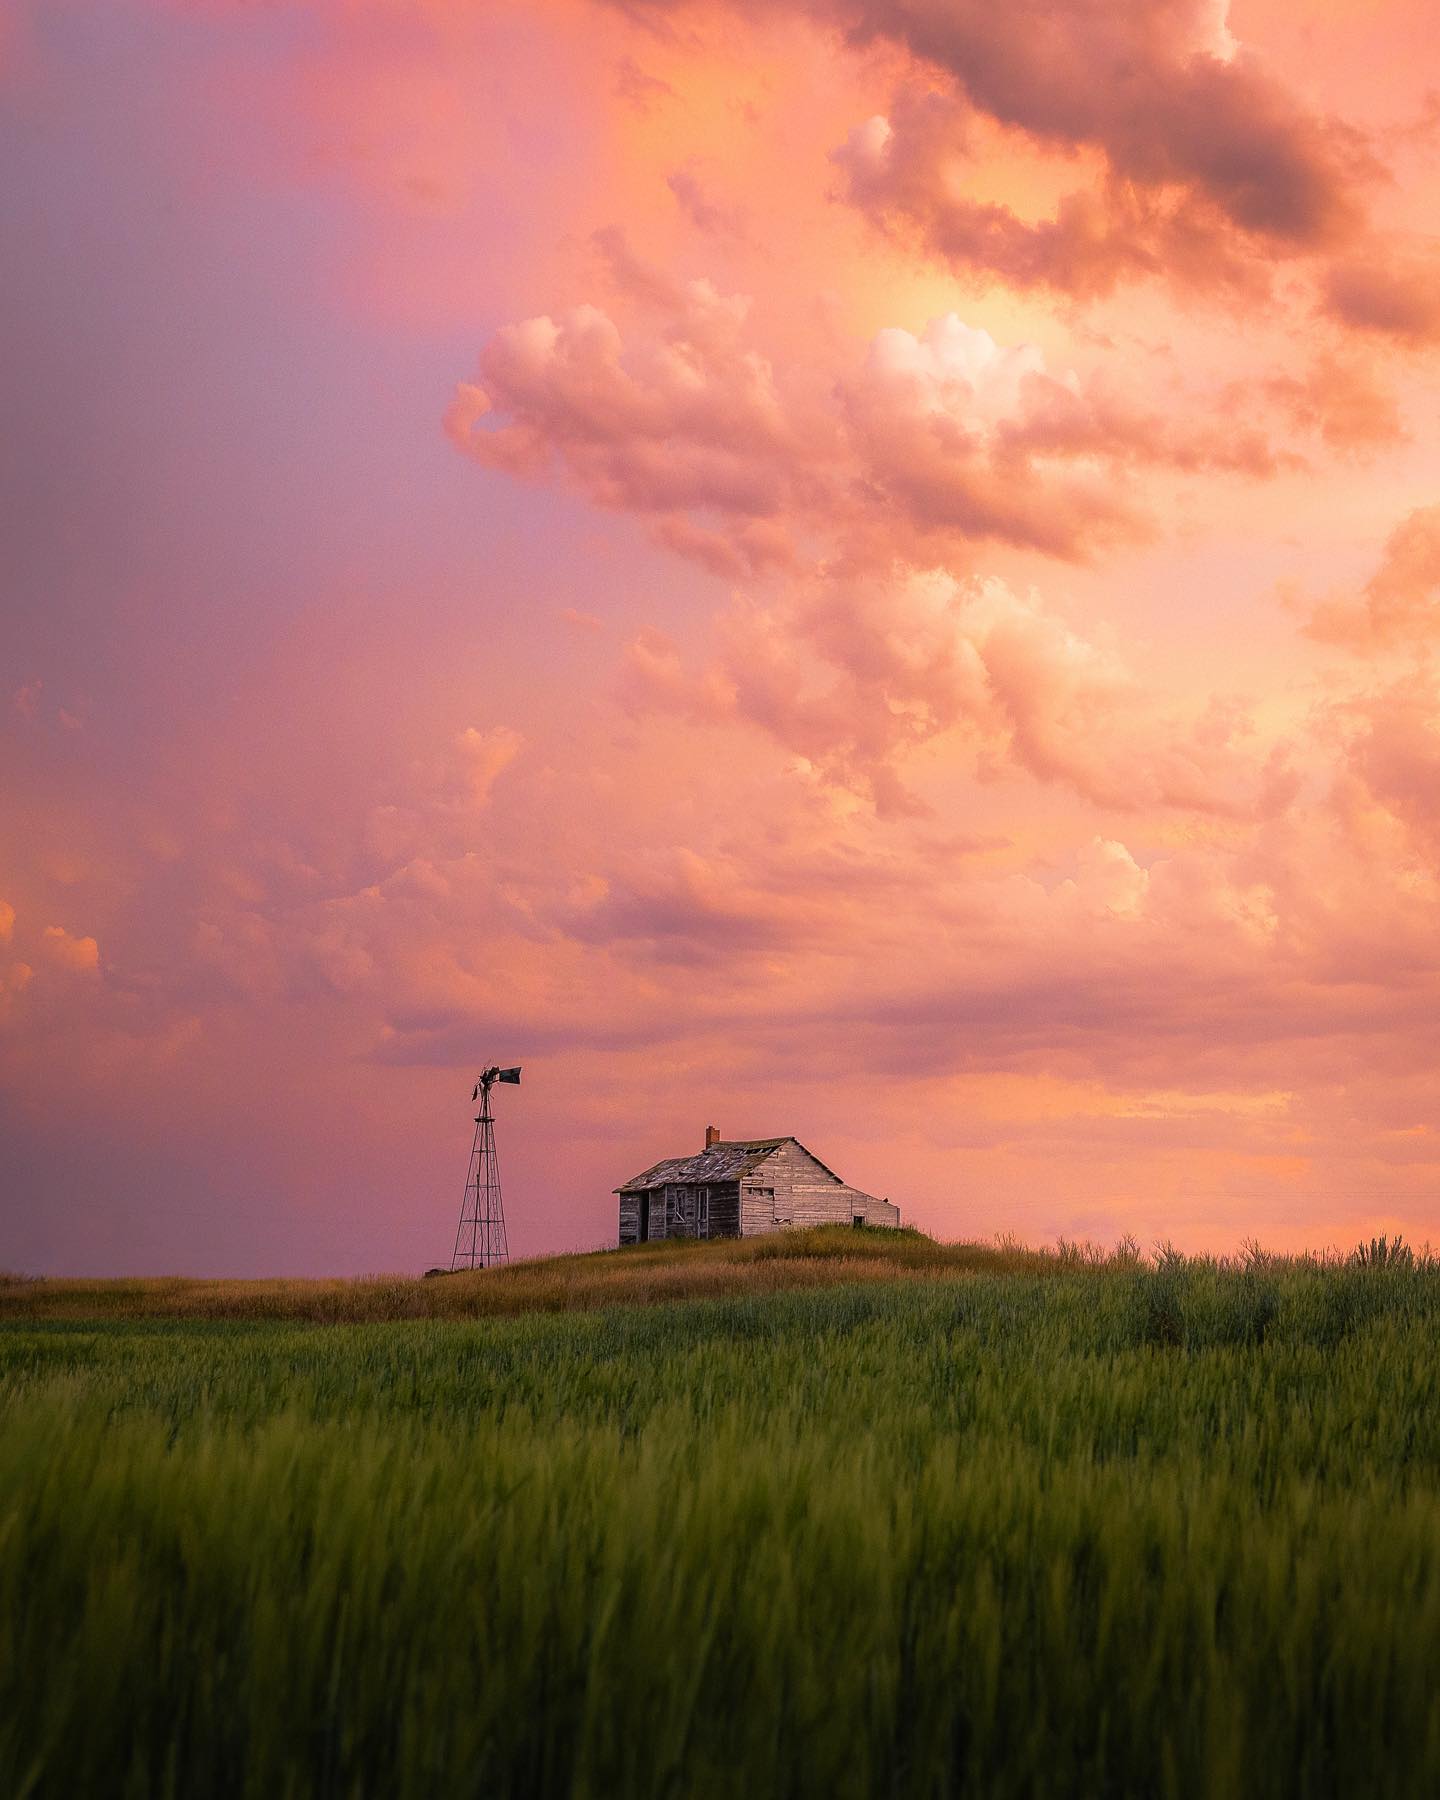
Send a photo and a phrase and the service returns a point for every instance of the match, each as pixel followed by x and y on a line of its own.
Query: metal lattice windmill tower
pixel 480 1239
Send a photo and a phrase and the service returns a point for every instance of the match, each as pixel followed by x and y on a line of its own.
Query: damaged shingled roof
pixel 721 1162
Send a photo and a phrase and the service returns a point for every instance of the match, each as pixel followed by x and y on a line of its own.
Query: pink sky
pixel 869 570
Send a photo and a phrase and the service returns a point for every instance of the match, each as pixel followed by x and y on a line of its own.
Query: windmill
pixel 480 1238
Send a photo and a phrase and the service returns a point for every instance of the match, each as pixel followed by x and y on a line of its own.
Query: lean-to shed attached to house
pixel 740 1187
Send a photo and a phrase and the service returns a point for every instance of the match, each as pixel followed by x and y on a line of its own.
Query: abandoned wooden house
pixel 740 1187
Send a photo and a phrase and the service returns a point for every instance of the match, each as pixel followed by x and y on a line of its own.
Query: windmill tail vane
pixel 480 1240
pixel 493 1075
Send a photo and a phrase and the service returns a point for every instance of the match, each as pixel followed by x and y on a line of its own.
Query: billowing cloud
pixel 1400 604
pixel 852 672
pixel 1161 89
pixel 78 955
pixel 15 976
pixel 436 809
pixel 1207 158
pixel 1387 292
pixel 943 434
pixel 1388 776
pixel 487 754
pixel 689 420
pixel 704 212
pixel 1342 400
pixel 972 438
pixel 908 172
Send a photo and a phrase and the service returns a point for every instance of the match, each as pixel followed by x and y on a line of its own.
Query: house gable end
pixel 793 1153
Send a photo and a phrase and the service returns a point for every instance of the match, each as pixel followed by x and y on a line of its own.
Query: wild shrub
pixel 1380 1253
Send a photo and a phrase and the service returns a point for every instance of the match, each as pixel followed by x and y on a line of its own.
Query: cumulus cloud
pixel 943 434
pixel 853 673
pixel 1393 748
pixel 938 427
pixel 78 955
pixel 1202 135
pixel 437 808
pixel 1387 292
pixel 959 434
pixel 1158 88
pixel 1342 401
pixel 689 419
pixel 1400 604
pixel 14 976
pixel 687 908
pixel 486 755
pixel 704 211
pixel 909 172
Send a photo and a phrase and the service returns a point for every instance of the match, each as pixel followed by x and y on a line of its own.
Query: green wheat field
pixel 811 1516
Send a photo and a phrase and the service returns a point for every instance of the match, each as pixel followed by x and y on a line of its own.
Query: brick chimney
pixel 712 1136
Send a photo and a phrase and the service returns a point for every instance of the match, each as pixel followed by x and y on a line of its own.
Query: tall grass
pixel 1159 1530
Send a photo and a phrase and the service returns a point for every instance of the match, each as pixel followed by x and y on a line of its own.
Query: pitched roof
pixel 730 1161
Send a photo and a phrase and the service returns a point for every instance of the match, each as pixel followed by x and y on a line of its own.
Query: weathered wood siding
pixel 629 1218
pixel 790 1188
pixel 673 1212
pixel 725 1210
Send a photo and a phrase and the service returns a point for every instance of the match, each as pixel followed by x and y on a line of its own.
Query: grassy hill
pixel 644 1275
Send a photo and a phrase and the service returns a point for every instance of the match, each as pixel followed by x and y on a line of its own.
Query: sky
pixel 864 569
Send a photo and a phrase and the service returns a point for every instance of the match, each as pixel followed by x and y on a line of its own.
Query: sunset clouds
pixel 1400 603
pixel 870 569
pixel 924 441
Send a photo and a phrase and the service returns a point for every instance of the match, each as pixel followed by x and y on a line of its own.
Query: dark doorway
pixel 645 1218
pixel 858 1219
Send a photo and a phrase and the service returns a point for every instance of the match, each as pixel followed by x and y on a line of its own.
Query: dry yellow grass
pixel 647 1275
